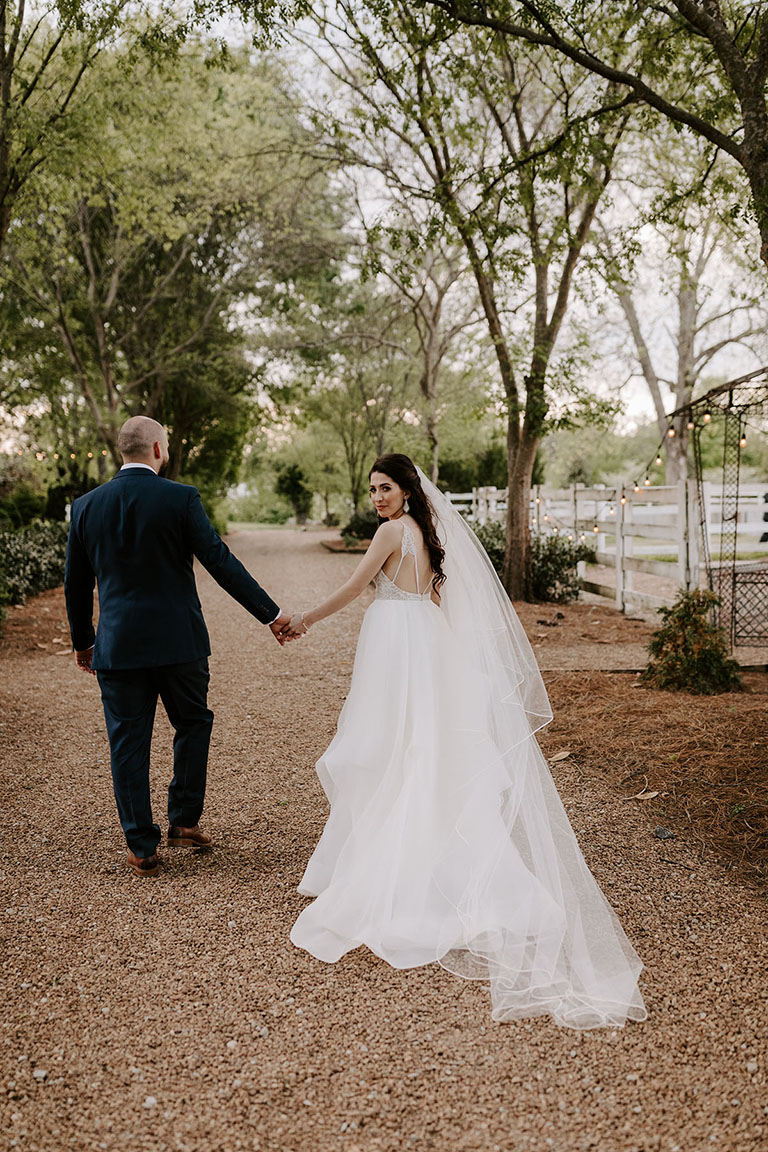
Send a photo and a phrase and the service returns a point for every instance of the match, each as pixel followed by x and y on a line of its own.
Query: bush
pixel 21 506
pixel 291 483
pixel 31 560
pixel 553 577
pixel 492 536
pixel 362 526
pixel 688 652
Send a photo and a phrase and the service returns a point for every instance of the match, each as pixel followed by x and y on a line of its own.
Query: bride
pixel 446 839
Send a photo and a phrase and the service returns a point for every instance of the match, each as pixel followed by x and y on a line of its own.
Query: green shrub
pixel 31 560
pixel 291 483
pixel 688 652
pixel 21 506
pixel 362 526
pixel 492 536
pixel 553 576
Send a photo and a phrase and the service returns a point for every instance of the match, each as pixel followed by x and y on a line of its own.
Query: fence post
pixel 682 535
pixel 620 506
pixel 694 555
pixel 707 516
pixel 629 543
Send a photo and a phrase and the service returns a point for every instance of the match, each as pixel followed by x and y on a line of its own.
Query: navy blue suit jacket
pixel 137 537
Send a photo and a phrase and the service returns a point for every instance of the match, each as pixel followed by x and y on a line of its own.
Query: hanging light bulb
pixel 90 455
pixel 103 451
pixel 72 456
pixel 596 528
pixel 611 511
pixel 671 433
pixel 647 481
pixel 637 487
pixel 707 417
pixel 742 440
pixel 691 425
pixel 658 459
pixel 55 455
pixel 623 500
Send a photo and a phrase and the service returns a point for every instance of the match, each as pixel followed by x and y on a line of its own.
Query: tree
pixel 292 484
pixel 125 279
pixel 513 172
pixel 45 59
pixel 700 63
pixel 686 291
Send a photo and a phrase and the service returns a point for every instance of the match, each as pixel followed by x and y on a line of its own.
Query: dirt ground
pixel 173 1013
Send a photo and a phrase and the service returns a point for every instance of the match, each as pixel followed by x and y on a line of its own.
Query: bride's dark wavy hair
pixel 402 470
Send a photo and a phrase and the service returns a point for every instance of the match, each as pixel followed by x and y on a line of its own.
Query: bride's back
pixel 409 566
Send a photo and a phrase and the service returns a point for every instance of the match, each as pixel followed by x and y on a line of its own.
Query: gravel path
pixel 174 1013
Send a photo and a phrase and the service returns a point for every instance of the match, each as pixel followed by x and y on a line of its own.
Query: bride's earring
pixel 405 504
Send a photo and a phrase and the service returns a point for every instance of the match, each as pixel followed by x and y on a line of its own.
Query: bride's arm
pixel 387 540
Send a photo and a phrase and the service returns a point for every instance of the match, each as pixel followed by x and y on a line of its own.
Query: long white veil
pixel 534 920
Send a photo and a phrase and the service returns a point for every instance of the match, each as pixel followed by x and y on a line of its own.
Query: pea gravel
pixel 173 1013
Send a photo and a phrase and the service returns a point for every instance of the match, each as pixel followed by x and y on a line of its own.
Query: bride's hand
pixel 297 627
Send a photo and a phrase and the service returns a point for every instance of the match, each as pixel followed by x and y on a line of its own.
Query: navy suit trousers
pixel 130 699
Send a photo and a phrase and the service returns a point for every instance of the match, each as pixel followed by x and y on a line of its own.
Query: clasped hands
pixel 287 627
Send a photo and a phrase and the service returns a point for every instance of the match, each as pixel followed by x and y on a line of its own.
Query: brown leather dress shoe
pixel 143 865
pixel 188 837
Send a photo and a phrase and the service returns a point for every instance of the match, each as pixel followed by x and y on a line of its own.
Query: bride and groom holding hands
pixel 446 840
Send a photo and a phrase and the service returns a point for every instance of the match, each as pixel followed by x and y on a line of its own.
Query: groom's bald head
pixel 137 438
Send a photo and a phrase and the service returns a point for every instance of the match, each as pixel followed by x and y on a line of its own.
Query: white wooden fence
pixel 650 536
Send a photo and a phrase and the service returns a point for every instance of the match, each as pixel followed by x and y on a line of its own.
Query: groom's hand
pixel 84 660
pixel 279 628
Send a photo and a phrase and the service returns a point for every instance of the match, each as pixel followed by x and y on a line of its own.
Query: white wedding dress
pixel 446 840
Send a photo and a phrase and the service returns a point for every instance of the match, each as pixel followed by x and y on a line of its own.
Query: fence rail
pixel 649 537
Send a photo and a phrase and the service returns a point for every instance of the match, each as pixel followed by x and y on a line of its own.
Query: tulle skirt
pixel 447 841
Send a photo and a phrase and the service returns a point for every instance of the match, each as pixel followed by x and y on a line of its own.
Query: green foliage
pixel 31 560
pixel 291 483
pixel 688 652
pixel 21 506
pixel 482 469
pixel 362 526
pixel 257 509
pixel 553 576
pixel 492 536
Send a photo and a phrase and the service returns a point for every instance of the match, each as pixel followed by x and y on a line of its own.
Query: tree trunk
pixel 433 438
pixel 517 557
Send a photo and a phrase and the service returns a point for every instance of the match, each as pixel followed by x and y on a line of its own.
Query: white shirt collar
pixel 136 465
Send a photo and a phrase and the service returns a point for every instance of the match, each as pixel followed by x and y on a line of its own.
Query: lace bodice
pixel 388 589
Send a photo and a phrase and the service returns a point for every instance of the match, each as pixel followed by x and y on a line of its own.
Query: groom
pixel 137 537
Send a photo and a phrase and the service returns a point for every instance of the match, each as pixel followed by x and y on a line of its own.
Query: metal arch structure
pixel 741 587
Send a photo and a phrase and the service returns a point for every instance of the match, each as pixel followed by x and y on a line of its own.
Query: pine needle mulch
pixel 699 763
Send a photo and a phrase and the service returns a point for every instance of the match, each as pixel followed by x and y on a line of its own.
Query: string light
pixel 611 511
pixel 647 481
pixel 707 417
pixel 742 441
pixel 658 459
pixel 671 433
pixel 637 487
pixel 596 528
pixel 691 425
